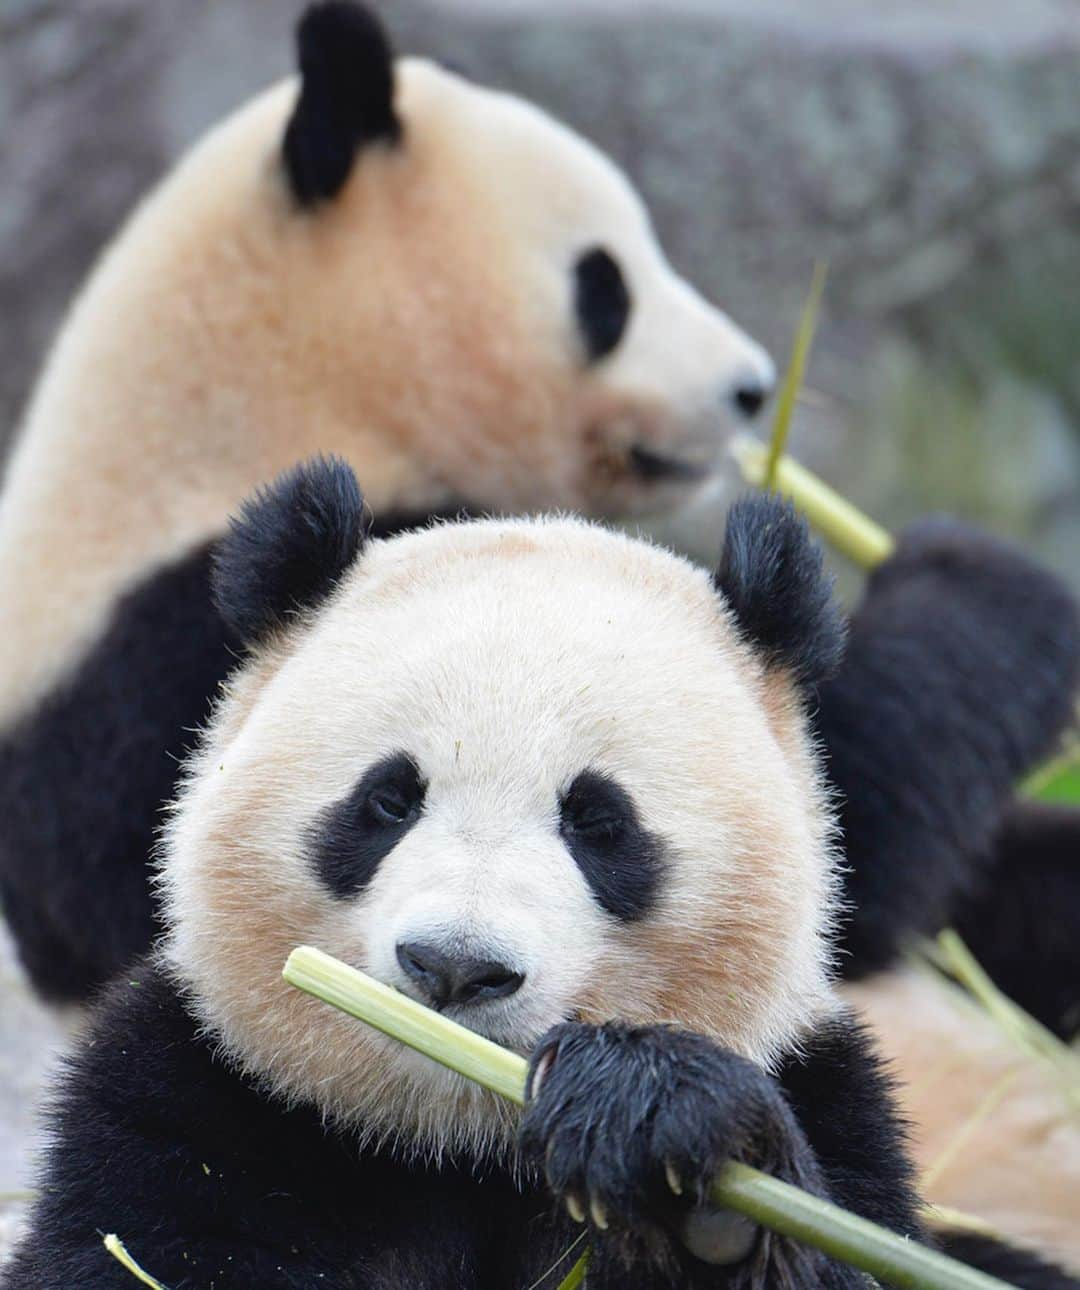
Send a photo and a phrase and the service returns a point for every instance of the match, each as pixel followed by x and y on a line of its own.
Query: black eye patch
pixel 351 837
pixel 621 860
pixel 602 301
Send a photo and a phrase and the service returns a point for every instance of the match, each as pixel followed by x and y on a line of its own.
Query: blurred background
pixel 929 151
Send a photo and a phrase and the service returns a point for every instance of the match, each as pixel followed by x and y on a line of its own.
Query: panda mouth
pixel 658 467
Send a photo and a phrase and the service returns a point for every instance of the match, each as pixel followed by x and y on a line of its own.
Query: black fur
pixel 842 1096
pixel 82 781
pixel 771 576
pixel 1013 1266
pixel 622 860
pixel 346 98
pixel 357 833
pixel 212 1184
pixel 288 547
pixel 602 302
pixel 1023 922
pixel 959 674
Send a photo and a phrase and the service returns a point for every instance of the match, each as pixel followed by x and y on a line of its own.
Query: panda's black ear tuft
pixel 346 97
pixel 772 578
pixel 288 547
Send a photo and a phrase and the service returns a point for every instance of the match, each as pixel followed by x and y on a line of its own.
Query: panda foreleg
pixel 630 1124
pixel 962 662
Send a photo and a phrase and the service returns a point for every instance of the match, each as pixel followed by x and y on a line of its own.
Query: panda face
pixel 553 356
pixel 629 382
pixel 522 771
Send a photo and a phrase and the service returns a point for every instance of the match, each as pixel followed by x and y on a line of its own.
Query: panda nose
pixel 456 978
pixel 750 396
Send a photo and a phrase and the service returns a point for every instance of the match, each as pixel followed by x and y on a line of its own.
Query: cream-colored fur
pixel 991 1130
pixel 505 658
pixel 420 324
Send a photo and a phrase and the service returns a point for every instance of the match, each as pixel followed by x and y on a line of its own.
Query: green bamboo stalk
pixel 768 1201
pixel 843 525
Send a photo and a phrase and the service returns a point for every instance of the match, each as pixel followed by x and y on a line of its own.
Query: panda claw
pixel 598 1214
pixel 673 1180
pixel 575 1208
pixel 539 1071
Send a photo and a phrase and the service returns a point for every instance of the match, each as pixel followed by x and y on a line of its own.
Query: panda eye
pixel 350 839
pixel 598 825
pixel 395 792
pixel 621 860
pixel 602 301
pixel 389 806
pixel 594 807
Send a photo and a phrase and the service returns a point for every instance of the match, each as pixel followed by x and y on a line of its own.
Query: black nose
pixel 456 978
pixel 749 397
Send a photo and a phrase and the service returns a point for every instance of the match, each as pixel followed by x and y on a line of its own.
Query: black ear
pixel 346 97
pixel 288 546
pixel 772 578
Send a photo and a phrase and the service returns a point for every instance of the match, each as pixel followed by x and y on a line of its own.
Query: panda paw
pixel 630 1125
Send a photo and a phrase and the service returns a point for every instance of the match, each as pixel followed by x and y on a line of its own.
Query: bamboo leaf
pixel 793 376
pixel 117 1249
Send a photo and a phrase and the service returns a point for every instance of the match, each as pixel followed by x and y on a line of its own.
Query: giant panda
pixel 380 259
pixel 560 784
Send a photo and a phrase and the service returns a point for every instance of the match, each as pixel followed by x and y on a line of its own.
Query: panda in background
pixel 558 783
pixel 382 260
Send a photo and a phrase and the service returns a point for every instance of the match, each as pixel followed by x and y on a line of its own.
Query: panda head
pixel 480 284
pixel 523 771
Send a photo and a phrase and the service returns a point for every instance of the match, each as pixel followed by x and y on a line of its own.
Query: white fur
pixel 420 324
pixel 505 658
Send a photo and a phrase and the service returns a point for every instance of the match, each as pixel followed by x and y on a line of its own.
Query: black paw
pixel 631 1125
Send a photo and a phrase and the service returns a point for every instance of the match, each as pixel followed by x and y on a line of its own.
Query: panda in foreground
pixel 378 259
pixel 556 782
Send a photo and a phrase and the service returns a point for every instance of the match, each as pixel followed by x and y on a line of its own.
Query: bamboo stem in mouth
pixel 774 1204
